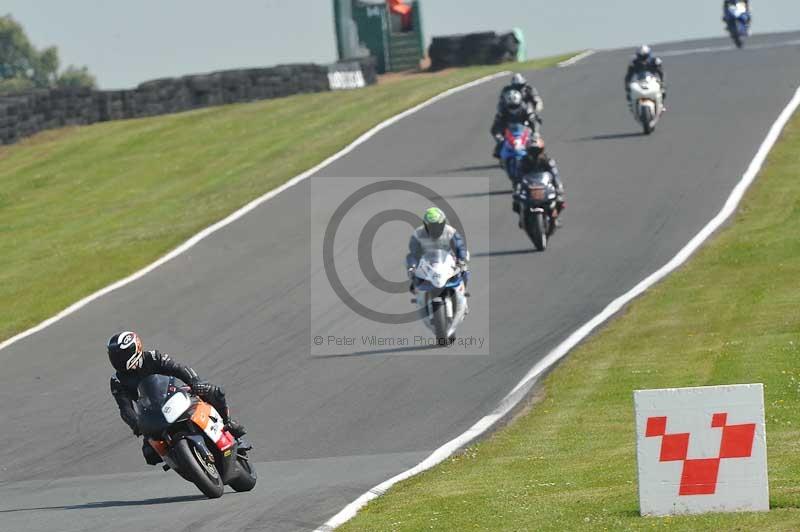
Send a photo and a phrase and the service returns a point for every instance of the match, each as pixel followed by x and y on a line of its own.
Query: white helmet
pixel 518 80
pixel 512 100
pixel 644 52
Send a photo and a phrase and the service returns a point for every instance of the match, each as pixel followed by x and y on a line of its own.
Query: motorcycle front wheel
pixel 536 229
pixel 735 35
pixel 439 321
pixel 199 471
pixel 646 118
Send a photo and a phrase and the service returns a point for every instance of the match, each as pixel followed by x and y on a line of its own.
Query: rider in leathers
pixel 537 160
pixel 645 61
pixel 726 3
pixel 432 235
pixel 133 363
pixel 513 111
pixel 530 96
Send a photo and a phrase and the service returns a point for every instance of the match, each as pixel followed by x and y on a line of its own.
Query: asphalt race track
pixel 329 426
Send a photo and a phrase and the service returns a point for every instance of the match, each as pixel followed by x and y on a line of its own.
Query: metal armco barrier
pixel 24 114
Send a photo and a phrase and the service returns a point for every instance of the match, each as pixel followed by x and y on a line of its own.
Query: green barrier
pixel 522 52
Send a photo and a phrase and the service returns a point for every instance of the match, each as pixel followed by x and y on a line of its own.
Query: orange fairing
pixel 201 413
pixel 159 446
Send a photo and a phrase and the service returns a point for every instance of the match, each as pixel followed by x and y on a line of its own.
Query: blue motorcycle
pixel 737 19
pixel 517 138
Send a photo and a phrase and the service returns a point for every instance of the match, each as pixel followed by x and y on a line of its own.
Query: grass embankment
pixel 732 315
pixel 83 207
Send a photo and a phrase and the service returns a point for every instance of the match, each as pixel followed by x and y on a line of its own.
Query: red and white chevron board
pixel 701 450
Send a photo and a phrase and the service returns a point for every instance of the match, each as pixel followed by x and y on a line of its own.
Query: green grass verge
pixel 732 315
pixel 83 207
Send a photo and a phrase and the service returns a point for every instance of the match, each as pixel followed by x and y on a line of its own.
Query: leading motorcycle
pixel 440 294
pixel 189 436
pixel 737 19
pixel 647 100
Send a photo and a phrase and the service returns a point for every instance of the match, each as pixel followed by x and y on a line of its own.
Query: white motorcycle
pixel 647 100
pixel 441 295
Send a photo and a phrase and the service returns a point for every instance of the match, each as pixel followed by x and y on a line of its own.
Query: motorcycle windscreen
pixel 431 267
pixel 538 178
pixel 154 390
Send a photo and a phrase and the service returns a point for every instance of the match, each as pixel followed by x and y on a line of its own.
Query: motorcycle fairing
pixel 208 419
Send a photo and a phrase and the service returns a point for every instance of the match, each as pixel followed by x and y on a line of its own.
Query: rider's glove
pixel 411 271
pixel 200 387
pixel 462 264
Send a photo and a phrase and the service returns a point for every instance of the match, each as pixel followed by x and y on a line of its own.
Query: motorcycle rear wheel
pixel 202 474
pixel 247 475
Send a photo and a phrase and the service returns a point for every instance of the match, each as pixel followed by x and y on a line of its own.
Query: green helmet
pixel 434 221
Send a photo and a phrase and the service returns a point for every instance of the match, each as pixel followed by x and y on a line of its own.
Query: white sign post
pixel 701 450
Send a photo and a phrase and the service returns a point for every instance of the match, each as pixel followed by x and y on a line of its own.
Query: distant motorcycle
pixel 535 202
pixel 737 19
pixel 647 100
pixel 441 295
pixel 189 436
pixel 515 147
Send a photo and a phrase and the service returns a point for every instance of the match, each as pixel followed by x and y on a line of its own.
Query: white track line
pixel 521 389
pixel 572 60
pixel 244 210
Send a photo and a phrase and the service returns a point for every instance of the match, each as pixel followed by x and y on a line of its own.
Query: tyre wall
pixel 24 114
pixel 487 48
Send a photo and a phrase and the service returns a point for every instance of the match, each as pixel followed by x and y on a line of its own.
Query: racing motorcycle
pixel 441 295
pixel 516 140
pixel 647 100
pixel 189 436
pixel 535 202
pixel 737 19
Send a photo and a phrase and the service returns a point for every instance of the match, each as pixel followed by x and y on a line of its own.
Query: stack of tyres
pixel 445 52
pixel 507 48
pixel 484 48
pixel 480 48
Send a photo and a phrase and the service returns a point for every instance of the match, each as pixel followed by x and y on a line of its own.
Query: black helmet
pixel 125 351
pixel 518 81
pixel 435 221
pixel 535 146
pixel 644 53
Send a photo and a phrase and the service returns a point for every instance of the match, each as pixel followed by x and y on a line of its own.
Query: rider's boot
pixel 150 454
pixel 498 146
pixel 236 429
